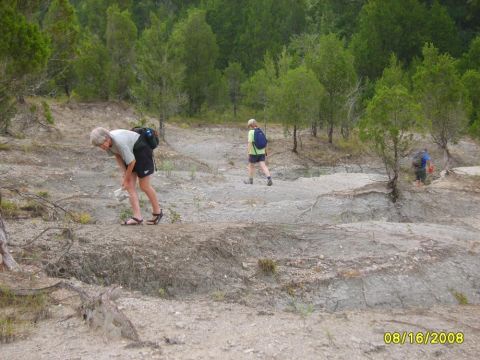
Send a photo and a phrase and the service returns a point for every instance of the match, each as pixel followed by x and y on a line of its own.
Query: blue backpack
pixel 259 139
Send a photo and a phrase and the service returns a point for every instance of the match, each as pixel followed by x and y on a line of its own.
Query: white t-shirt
pixel 122 144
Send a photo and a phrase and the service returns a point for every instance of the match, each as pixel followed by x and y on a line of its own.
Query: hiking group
pixel 133 151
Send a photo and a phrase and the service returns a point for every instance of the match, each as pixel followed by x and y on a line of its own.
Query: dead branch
pixel 7 259
pixel 41 200
pixel 68 231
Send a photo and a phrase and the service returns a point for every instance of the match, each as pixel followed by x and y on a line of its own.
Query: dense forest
pixel 385 67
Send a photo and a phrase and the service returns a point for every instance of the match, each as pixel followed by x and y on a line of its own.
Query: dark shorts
pixel 421 174
pixel 256 158
pixel 144 164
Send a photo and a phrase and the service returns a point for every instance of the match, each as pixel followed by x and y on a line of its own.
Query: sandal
pixel 156 219
pixel 137 221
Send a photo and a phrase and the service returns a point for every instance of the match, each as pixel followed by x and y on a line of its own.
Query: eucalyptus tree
pixel 443 96
pixel 294 99
pixel 160 74
pixel 333 66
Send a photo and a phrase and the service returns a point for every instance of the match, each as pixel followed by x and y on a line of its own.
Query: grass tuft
pixel 268 266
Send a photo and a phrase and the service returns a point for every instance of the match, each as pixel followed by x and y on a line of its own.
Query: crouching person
pixel 135 159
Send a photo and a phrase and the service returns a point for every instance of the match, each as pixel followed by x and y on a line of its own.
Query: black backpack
pixel 149 135
pixel 417 159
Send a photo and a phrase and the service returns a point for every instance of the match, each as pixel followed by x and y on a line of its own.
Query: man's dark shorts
pixel 421 174
pixel 256 158
pixel 144 164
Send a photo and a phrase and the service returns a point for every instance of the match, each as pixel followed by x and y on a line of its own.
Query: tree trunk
pixel 7 259
pixel 66 88
pixel 345 130
pixel 330 133
pixel 161 125
pixel 294 138
pixel 314 128
pixel 394 180
pixel 446 159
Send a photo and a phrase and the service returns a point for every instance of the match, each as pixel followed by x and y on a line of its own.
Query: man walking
pixel 256 152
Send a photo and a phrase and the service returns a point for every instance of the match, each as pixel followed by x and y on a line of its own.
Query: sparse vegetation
pixel 162 293
pixel 460 297
pixel 43 194
pixel 5 147
pixel 18 313
pixel 47 113
pixel 174 216
pixel 82 218
pixel 125 213
pixel 168 167
pixel 193 172
pixel 218 295
pixel 9 209
pixel 304 310
pixel 268 266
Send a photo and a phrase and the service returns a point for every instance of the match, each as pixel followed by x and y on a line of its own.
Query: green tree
pixel 24 51
pixel 227 19
pixel 92 69
pixel 294 99
pixel 121 37
pixel 92 14
pixel 471 59
pixel 268 26
pixel 442 30
pixel 255 91
pixel 338 16
pixel 390 117
pixel 393 75
pixel 159 73
pixel 61 25
pixel 235 76
pixel 386 27
pixel 332 63
pixel 443 97
pixel 196 47
pixel 471 81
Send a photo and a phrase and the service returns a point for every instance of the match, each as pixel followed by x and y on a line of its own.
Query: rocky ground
pixel 346 264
